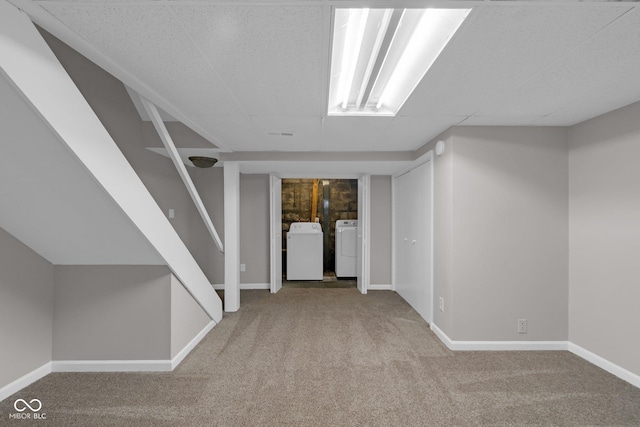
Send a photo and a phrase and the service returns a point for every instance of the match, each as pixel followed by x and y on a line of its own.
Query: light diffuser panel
pixel 380 55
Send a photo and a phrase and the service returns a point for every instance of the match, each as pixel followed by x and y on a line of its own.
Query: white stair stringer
pixel 29 64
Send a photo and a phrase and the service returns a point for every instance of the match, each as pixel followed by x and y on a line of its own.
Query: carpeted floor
pixel 329 282
pixel 323 357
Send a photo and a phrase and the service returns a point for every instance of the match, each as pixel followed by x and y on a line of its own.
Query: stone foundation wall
pixel 297 197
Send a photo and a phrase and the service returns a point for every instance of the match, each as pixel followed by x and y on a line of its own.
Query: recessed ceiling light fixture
pixel 380 55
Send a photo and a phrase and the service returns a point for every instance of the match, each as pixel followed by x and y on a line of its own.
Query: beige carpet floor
pixel 333 357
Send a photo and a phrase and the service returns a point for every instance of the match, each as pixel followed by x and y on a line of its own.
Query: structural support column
pixel 231 236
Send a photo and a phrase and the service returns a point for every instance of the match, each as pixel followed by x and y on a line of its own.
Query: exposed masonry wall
pixel 297 197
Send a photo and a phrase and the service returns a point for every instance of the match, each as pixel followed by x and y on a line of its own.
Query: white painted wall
pixel 604 236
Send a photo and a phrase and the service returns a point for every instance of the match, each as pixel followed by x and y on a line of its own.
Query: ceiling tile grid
pixel 500 49
pixel 271 57
pixel 410 133
pixel 240 69
pixel 150 44
pixel 342 133
pixel 597 77
pixel 236 131
pixel 306 132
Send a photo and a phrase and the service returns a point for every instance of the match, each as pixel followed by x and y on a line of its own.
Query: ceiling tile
pixel 505 120
pixel 497 49
pixel 410 133
pixel 270 57
pixel 238 131
pixel 355 134
pixel 599 76
pixel 306 132
pixel 151 45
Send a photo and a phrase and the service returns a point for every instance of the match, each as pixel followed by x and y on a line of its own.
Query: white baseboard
pixel 593 358
pixel 111 366
pixel 496 345
pixel 178 358
pixel 378 287
pixel 603 363
pixel 24 381
pixel 245 286
pixel 104 366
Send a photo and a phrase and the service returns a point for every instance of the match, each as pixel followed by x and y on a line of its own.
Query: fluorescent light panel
pixel 380 55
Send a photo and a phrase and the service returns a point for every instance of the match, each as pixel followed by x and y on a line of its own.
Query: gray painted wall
pixel 604 236
pixel 510 233
pixel 501 233
pixel 110 101
pixel 380 230
pixel 26 309
pixel 210 186
pixel 254 228
pixel 187 317
pixel 112 313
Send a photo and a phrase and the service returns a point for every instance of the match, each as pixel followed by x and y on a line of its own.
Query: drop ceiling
pixel 238 71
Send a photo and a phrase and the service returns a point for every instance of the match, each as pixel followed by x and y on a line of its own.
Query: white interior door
pixel 413 238
pixel 275 185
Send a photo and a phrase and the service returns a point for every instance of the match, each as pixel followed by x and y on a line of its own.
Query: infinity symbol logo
pixel 26 405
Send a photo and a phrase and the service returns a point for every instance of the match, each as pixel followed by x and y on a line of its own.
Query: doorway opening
pixel 314 214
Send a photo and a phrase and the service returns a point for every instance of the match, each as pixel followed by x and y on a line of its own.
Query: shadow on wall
pixel 336 199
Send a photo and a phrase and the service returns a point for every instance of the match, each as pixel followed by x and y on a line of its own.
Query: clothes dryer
pixel 346 247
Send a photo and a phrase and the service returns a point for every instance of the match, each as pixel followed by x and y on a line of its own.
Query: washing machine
pixel 304 251
pixel 346 247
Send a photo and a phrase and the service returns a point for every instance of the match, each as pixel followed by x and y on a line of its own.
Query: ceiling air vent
pixel 280 133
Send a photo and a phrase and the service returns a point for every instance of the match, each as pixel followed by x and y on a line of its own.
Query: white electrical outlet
pixel 441 304
pixel 243 267
pixel 172 213
pixel 522 326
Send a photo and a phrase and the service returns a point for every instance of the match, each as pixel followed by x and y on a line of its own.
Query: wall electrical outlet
pixel 522 326
pixel 172 213
pixel 243 267
pixel 441 304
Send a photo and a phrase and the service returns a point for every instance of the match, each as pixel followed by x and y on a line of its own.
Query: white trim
pixel 231 174
pixel 245 286
pixel 393 233
pixel 25 380
pixel 603 363
pixel 81 131
pixel 425 158
pixel 364 233
pixel 497 345
pixel 111 366
pixel 179 357
pixel 174 155
pixel 275 232
pixel 380 287
pixel 419 161
pixel 47 21
pixel 432 233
